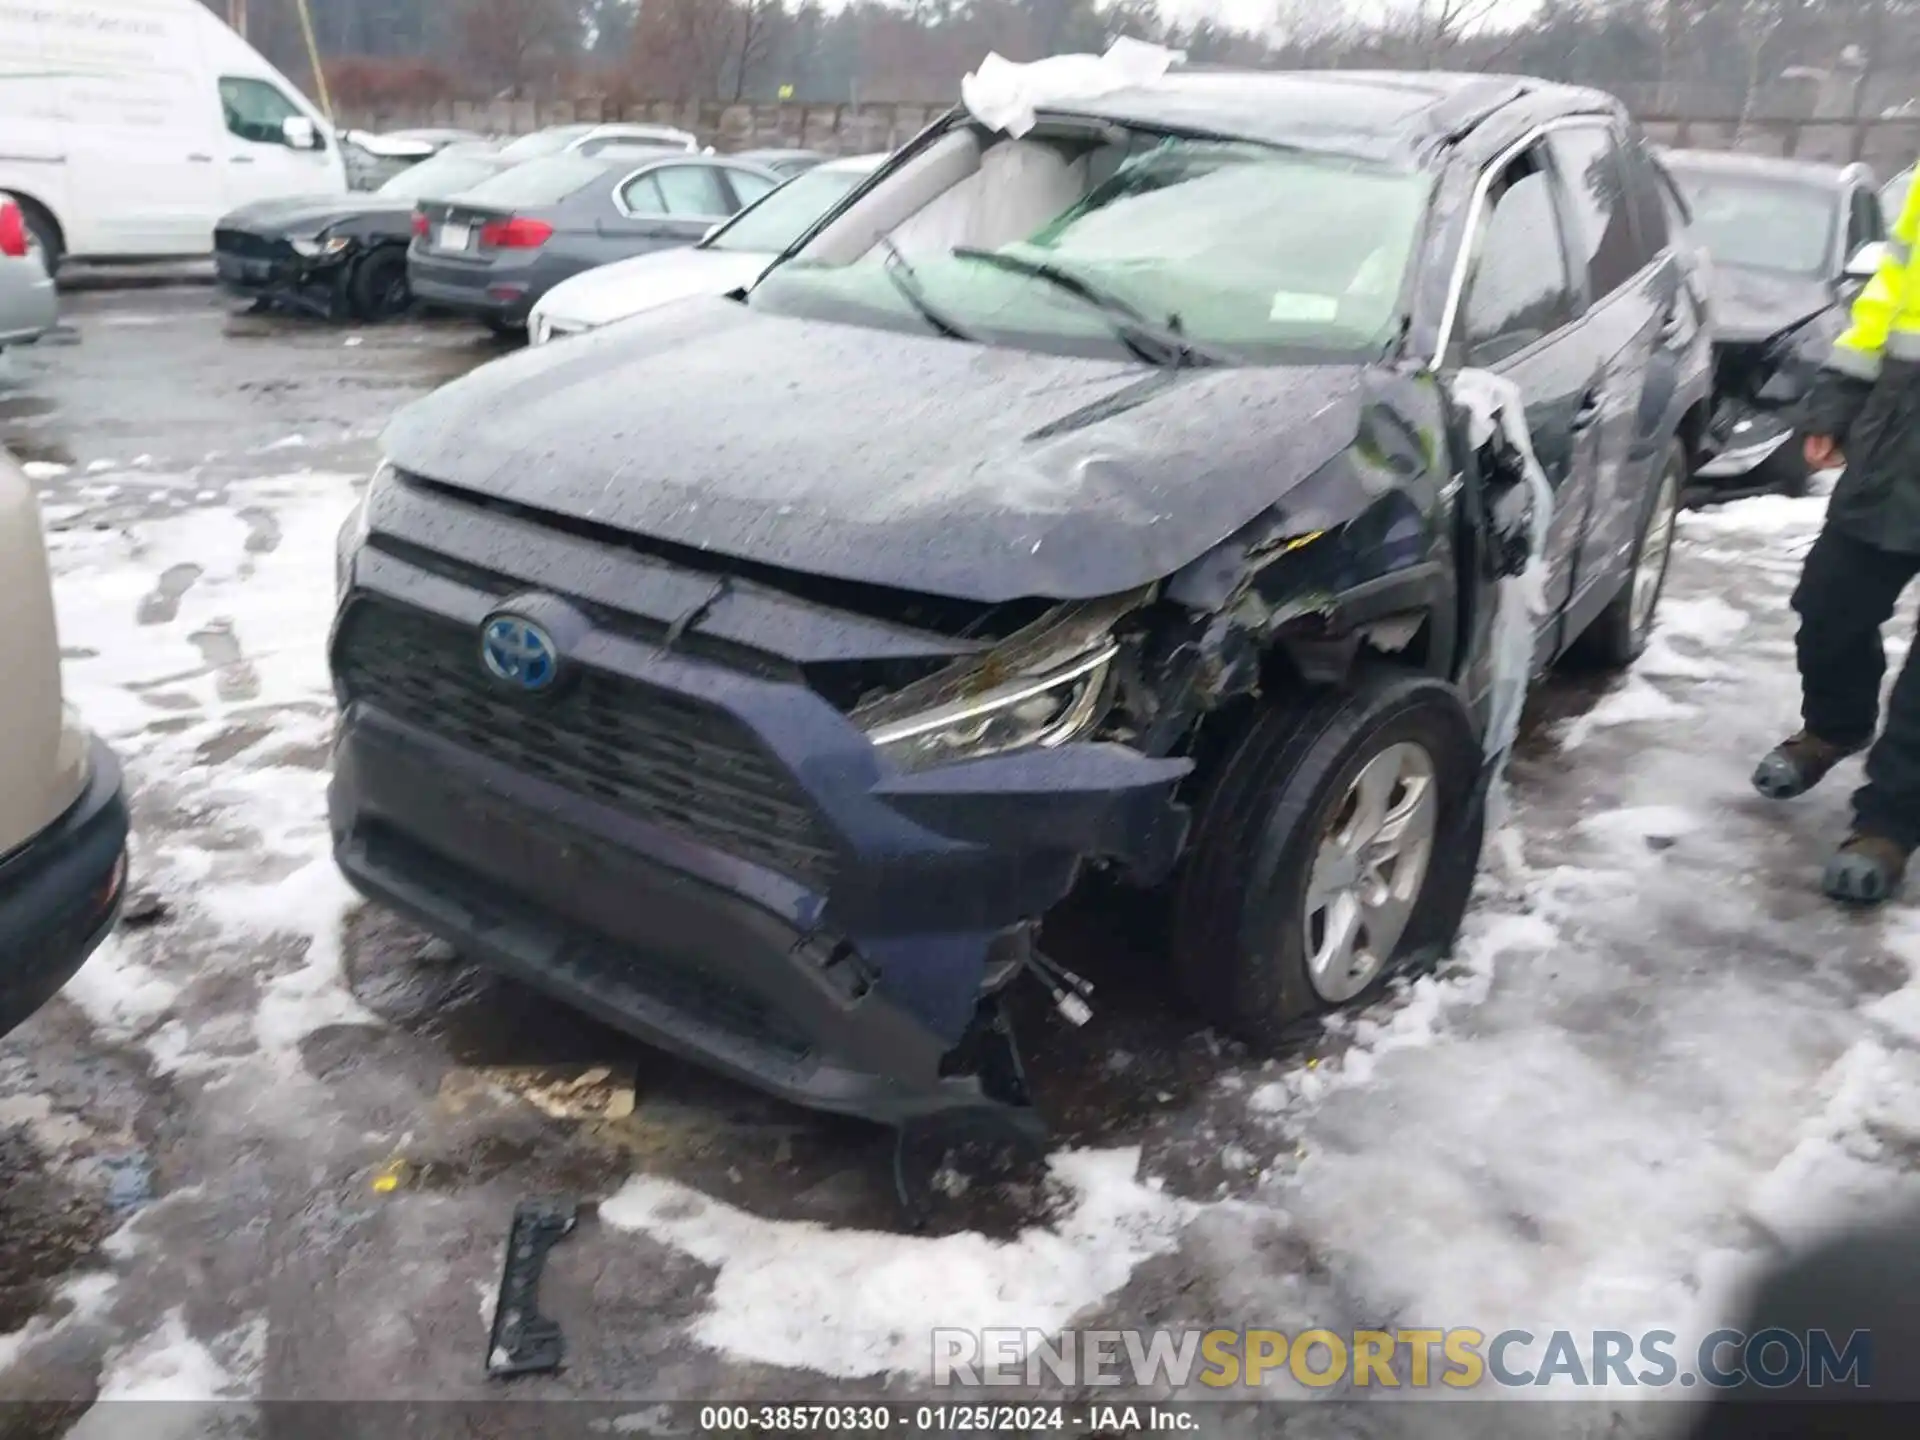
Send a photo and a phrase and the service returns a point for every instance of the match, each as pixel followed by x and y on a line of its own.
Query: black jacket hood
pixel 305 215
pixel 1749 306
pixel 924 464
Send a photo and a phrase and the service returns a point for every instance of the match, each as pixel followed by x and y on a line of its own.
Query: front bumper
pixel 272 270
pixel 769 898
pixel 60 894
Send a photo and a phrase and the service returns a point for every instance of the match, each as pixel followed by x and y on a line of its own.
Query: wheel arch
pixel 30 201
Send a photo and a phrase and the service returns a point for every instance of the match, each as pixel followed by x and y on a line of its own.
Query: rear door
pixel 1632 289
pixel 664 206
pixel 1520 317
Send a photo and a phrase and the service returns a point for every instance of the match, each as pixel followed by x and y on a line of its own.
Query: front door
pixel 1520 318
pixel 257 160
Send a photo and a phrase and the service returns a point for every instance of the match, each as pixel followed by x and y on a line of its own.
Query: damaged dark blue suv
pixel 759 672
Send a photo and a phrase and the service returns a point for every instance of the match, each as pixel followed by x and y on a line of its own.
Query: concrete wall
pixel 1887 145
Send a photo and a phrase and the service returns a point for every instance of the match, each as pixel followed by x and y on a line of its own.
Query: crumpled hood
pixel 1749 306
pixel 306 215
pixel 626 287
pixel 925 464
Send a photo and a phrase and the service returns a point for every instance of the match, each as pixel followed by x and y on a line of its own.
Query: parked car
pixel 730 256
pixel 129 138
pixel 785 163
pixel 63 821
pixel 1790 241
pixel 758 673
pixel 496 249
pixel 593 139
pixel 341 256
pixel 28 306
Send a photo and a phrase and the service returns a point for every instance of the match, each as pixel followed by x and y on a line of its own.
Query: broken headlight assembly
pixel 320 246
pixel 1044 685
pixel 1045 709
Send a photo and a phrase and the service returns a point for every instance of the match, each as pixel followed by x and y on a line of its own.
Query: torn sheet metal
pixel 1007 94
pixel 1495 408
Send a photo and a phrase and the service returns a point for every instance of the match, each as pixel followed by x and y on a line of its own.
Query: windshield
pixel 1760 223
pixel 782 216
pixel 544 142
pixel 445 174
pixel 1240 249
pixel 538 182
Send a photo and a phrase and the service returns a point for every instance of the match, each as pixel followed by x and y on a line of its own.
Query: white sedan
pixel 733 255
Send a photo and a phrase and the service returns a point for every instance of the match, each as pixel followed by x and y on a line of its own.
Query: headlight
pixel 1048 708
pixel 320 245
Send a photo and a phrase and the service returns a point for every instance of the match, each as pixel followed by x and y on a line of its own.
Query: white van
pixel 128 127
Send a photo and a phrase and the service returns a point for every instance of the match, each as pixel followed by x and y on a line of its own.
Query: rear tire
pixel 378 287
pixel 1619 634
pixel 505 329
pixel 1282 864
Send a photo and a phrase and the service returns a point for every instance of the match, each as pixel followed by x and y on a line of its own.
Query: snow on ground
pixel 1656 1056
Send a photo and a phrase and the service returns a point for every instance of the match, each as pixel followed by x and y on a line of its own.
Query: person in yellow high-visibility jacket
pixel 1863 412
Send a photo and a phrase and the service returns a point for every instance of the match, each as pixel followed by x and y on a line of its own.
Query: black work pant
pixel 1847 591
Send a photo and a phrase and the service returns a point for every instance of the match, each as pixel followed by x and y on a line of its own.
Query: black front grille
pixel 659 756
pixel 245 245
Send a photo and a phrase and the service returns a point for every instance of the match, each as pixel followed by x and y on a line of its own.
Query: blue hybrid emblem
pixel 519 652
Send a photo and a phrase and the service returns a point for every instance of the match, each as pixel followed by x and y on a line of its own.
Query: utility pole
pixel 237 17
pixel 313 59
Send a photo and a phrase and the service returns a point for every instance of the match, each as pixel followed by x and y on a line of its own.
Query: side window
pixel 641 196
pixel 693 191
pixel 1604 242
pixel 1864 222
pixel 256 111
pixel 749 187
pixel 1519 290
pixel 1648 199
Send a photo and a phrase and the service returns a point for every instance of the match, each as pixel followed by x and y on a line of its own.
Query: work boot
pixel 1797 764
pixel 1866 869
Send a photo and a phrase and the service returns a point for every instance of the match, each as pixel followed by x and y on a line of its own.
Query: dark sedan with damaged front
pixel 758 673
pixel 1789 243
pixel 341 257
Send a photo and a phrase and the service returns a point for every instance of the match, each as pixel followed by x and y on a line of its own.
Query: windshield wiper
pixel 907 282
pixel 1155 342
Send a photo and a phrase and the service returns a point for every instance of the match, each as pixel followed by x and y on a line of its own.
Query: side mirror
pixel 1865 262
pixel 300 133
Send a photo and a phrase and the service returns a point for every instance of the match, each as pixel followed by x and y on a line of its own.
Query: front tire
pixel 1337 841
pixel 378 288
pixel 1618 636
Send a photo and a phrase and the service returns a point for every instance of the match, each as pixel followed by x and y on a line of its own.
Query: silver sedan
pixel 27 304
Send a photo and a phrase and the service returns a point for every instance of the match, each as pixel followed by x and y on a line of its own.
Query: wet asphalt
pixel 340 1236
